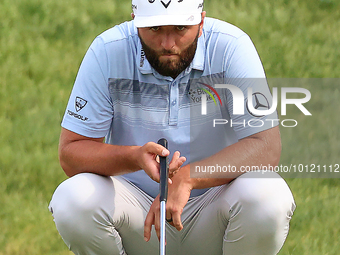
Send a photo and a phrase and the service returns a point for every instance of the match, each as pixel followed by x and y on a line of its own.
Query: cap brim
pixel 166 20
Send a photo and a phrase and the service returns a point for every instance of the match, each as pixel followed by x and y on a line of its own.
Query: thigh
pixel 250 213
pixel 205 219
pixel 102 215
pixel 131 207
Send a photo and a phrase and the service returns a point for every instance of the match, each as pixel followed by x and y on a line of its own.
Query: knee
pixel 260 211
pixel 266 198
pixel 77 200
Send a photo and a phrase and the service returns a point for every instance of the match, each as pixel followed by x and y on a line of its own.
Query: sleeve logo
pixel 80 103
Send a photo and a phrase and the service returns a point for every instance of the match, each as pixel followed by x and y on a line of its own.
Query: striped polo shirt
pixel 119 96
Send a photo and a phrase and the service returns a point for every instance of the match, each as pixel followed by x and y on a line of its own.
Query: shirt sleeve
pixel 89 110
pixel 244 70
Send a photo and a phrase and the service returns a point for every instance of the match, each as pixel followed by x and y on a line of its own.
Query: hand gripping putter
pixel 164 175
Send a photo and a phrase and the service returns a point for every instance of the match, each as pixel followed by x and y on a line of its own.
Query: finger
pixel 179 162
pixel 148 161
pixel 176 221
pixel 172 165
pixel 168 216
pixel 153 171
pixel 175 166
pixel 176 161
pixel 157 224
pixel 156 149
pixel 175 156
pixel 149 221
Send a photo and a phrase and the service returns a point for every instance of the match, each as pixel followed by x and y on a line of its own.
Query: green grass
pixel 41 46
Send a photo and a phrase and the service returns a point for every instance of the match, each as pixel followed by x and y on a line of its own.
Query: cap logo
pixel 191 18
pixel 166 5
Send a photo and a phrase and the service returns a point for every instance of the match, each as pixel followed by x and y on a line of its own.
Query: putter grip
pixel 164 172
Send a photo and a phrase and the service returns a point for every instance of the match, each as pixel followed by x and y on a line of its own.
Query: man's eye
pixel 180 28
pixel 154 29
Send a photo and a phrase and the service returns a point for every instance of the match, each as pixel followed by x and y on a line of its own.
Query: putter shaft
pixel 164 175
pixel 162 234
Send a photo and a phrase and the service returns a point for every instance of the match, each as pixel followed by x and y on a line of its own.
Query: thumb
pixel 157 149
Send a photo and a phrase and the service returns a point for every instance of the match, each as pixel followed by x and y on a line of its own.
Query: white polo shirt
pixel 118 95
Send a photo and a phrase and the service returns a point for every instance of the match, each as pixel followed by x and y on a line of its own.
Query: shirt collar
pixel 197 63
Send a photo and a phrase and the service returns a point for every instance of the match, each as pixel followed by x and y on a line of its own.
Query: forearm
pixel 257 150
pixel 81 154
pixel 96 157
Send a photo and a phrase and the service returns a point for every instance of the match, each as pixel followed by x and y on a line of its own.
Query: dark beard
pixel 170 68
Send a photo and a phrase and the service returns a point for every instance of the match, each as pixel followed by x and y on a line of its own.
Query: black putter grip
pixel 164 172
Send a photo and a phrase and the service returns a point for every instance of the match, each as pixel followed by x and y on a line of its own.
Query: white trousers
pixel 105 215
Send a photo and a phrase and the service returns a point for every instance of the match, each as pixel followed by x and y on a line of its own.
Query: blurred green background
pixel 41 46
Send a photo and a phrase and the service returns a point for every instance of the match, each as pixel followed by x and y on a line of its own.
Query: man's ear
pixel 202 22
pixel 132 16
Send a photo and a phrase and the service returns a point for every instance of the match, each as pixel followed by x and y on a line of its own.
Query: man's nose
pixel 168 41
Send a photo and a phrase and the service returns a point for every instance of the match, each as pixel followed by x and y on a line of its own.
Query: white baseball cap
pixel 151 13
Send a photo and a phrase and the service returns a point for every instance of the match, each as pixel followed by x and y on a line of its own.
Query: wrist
pixel 183 178
pixel 136 158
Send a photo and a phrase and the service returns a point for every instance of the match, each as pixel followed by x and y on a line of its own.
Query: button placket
pixel 174 98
